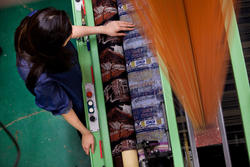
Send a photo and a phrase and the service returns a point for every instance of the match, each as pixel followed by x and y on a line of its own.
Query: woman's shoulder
pixel 23 68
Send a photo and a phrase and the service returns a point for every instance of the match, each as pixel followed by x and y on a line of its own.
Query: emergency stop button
pixel 89 94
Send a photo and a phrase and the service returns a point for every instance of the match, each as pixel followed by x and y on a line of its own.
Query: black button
pixel 92 118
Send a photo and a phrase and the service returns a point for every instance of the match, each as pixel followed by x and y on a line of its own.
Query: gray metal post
pixel 224 138
pixel 192 142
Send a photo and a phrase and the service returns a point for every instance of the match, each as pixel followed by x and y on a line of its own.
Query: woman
pixel 48 63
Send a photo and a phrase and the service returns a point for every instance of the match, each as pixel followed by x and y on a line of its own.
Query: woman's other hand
pixel 88 142
pixel 117 28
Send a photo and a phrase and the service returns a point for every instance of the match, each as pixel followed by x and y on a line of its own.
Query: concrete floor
pixel 45 140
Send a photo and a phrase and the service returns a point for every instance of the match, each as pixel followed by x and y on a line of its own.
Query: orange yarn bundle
pixel 190 40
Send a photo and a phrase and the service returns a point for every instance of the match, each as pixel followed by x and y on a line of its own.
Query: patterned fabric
pixel 114 77
pixel 144 85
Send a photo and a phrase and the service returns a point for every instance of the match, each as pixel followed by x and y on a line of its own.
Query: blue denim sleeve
pixel 50 96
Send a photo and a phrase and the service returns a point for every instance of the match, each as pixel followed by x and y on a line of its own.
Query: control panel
pixel 92 107
pixel 78 4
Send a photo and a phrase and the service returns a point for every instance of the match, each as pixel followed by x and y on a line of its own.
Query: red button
pixel 89 94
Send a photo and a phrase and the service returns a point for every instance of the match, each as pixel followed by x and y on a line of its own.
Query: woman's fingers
pixel 114 28
pixel 120 34
pixel 126 24
pixel 126 29
pixel 93 148
pixel 86 150
pixel 88 142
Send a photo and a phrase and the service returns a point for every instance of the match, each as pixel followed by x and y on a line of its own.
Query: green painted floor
pixel 45 140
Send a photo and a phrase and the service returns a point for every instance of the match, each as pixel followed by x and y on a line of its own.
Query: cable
pixel 25 6
pixel 15 142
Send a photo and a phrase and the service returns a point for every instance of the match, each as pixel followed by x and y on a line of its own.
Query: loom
pixel 94 99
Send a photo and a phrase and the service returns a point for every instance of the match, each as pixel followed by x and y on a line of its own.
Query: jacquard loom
pixel 129 103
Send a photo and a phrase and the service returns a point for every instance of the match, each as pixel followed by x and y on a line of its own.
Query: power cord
pixel 25 6
pixel 15 142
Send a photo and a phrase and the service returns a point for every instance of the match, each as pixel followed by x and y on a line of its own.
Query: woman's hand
pixel 88 142
pixel 114 28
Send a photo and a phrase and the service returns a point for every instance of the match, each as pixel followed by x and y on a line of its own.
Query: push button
pixel 89 94
pixel 92 118
pixel 91 110
pixel 90 103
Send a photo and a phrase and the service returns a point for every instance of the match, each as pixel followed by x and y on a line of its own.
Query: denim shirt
pixel 58 92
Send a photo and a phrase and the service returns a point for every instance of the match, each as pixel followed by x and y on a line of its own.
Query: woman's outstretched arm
pixel 113 28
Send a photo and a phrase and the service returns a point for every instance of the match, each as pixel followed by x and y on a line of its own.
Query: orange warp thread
pixel 190 40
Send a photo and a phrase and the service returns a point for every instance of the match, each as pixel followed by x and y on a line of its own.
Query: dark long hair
pixel 39 41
